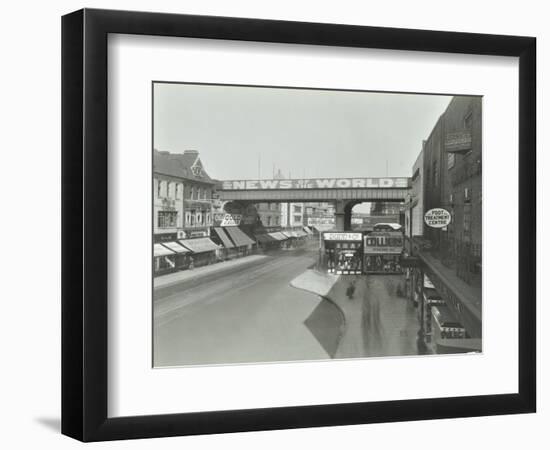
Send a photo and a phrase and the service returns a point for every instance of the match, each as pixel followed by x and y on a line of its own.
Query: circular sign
pixel 437 218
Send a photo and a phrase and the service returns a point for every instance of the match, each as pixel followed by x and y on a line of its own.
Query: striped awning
pixel 239 238
pixel 224 237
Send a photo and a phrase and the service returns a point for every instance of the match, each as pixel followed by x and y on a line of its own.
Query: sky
pixel 250 132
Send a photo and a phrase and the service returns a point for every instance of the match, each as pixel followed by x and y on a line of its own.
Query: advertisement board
pixel 437 218
pixel 316 183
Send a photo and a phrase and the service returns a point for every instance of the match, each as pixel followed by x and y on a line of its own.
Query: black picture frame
pixel 84 224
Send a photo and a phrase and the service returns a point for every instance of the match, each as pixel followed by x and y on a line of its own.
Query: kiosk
pixel 343 252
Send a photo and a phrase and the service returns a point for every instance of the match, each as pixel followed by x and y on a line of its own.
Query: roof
pixel 187 165
pixel 395 226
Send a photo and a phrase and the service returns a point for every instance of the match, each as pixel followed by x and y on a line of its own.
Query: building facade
pixel 452 180
pixel 414 215
pixel 270 214
pixel 182 196
pixel 450 257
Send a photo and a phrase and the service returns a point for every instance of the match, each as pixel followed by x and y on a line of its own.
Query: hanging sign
pixel 437 218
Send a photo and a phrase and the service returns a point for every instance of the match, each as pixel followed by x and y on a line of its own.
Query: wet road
pixel 250 316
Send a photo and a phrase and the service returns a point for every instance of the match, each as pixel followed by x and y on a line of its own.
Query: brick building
pixel 452 180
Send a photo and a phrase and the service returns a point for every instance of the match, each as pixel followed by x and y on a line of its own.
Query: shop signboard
pixel 342 236
pixel 437 218
pixel 227 220
pixel 314 221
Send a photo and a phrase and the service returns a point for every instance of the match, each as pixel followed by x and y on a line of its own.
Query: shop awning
pixel 239 238
pixel 175 247
pixel 160 250
pixel 289 234
pixel 278 236
pixel 265 238
pixel 445 317
pixel 308 230
pixel 224 237
pixel 300 233
pixel 199 245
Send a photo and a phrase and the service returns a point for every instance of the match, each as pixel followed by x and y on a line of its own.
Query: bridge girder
pixel 314 195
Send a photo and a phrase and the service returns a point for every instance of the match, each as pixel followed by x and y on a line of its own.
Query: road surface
pixel 254 315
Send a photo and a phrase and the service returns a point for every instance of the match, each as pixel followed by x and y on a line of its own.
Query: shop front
pixel 164 260
pixel 181 258
pixel 203 251
pixel 383 251
pixel 343 252
pixel 221 238
pixel 243 243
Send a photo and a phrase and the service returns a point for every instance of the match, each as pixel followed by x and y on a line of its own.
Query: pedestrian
pixel 350 290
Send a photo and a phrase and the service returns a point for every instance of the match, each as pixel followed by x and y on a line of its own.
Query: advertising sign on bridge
pixel 316 183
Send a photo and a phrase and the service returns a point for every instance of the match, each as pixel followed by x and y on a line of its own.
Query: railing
pixel 463 257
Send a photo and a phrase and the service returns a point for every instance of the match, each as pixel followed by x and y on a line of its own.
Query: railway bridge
pixel 344 193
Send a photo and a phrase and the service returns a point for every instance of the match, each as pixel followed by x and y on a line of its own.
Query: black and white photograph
pixel 300 224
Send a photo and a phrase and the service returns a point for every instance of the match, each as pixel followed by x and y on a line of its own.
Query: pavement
pixel 199 272
pixel 315 282
pixel 377 321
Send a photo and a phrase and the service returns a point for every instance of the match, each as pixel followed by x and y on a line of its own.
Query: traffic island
pixel 315 282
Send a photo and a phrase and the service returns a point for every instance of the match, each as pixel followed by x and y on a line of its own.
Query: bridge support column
pixel 342 215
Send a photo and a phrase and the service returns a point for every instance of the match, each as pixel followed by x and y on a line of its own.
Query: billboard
pixel 315 183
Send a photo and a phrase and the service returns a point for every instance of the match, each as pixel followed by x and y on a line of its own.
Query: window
pixel 192 192
pixel 158 188
pixel 297 209
pixel 297 219
pixel 192 217
pixel 177 190
pixel 467 218
pixel 167 219
pixel 451 159
pixel 198 193
pixel 468 120
pixel 268 220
